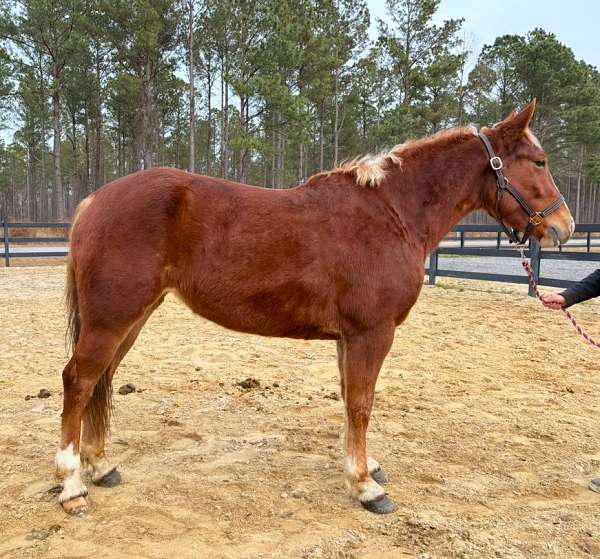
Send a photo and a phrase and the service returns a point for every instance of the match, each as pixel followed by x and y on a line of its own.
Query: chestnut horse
pixel 340 257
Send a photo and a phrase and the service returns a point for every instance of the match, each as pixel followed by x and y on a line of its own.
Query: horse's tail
pixel 72 301
pixel 99 408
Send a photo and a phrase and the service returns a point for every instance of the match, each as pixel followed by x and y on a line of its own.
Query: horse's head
pixel 528 200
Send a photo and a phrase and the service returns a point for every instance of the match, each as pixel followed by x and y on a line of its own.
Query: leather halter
pixel 503 185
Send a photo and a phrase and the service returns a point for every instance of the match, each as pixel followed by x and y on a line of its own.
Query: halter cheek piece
pixel 535 218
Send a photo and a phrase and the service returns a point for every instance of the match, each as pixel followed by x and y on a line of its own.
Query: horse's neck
pixel 433 193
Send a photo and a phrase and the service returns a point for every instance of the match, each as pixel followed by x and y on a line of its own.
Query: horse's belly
pixel 265 313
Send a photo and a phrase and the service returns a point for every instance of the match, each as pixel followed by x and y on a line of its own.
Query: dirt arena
pixel 486 423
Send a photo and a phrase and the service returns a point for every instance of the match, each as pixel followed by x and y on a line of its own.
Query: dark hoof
pixel 380 506
pixel 379 476
pixel 111 479
pixel 595 485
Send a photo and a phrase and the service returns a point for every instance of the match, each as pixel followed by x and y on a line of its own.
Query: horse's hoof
pixel 383 505
pixel 595 485
pixel 75 507
pixel 111 479
pixel 379 476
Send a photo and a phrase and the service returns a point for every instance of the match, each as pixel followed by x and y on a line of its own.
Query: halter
pixel 535 218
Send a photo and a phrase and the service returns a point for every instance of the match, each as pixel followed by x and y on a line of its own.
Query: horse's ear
pixel 513 127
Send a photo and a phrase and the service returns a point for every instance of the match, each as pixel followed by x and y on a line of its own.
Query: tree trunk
pixel 178 139
pixel 75 182
pixel 226 129
pixel 44 213
pixel 579 173
pixel 98 163
pixel 148 117
pixel 282 140
pixel 321 139
pixel 58 196
pixel 336 118
pixel 120 150
pixel 209 146
pixel 31 190
pixel 301 164
pixel 273 155
pixel 192 92
pixel 244 152
pixel 223 118
pixel 88 161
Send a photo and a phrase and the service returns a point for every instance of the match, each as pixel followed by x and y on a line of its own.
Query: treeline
pixel 262 91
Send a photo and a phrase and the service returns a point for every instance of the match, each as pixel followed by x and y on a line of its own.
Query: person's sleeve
pixel 586 289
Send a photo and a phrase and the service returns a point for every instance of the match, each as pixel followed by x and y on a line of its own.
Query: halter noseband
pixel 535 218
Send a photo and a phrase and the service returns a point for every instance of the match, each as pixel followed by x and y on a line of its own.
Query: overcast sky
pixel 576 23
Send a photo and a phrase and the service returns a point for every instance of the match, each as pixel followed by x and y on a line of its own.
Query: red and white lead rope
pixel 571 318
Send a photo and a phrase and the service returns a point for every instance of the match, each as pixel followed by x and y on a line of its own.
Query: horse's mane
pixel 371 170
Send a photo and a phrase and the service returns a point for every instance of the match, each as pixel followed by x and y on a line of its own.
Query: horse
pixel 340 257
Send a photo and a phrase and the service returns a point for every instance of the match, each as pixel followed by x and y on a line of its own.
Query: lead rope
pixel 570 317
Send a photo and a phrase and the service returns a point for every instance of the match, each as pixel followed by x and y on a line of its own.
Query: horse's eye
pixel 540 163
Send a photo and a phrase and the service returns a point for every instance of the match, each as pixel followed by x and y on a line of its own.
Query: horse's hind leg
pixel 363 357
pixel 97 414
pixel 373 466
pixel 91 358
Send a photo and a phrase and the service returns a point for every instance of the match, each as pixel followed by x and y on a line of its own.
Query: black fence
pixel 497 245
pixel 36 252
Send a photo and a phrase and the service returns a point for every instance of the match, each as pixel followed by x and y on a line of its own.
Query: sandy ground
pixel 486 422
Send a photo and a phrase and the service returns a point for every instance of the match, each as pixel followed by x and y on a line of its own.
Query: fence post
pixel 6 253
pixel 433 266
pixel 589 241
pixel 462 239
pixel 535 252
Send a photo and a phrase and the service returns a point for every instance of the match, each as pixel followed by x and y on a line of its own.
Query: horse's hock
pixel 488 434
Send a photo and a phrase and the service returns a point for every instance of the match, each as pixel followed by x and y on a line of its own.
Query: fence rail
pixel 495 246
pixel 500 247
pixel 8 240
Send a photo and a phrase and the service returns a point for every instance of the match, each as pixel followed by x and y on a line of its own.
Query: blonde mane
pixel 371 170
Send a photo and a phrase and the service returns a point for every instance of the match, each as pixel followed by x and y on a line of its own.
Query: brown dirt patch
pixel 486 422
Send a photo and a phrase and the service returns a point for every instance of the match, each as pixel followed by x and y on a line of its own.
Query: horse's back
pixel 248 258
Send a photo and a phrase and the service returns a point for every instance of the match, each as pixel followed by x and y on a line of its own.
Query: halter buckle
pixel 536 218
pixel 496 163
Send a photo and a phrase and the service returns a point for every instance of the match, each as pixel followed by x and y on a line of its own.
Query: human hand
pixel 553 301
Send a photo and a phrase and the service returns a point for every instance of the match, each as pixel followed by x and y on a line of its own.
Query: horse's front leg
pixel 363 356
pixel 375 470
